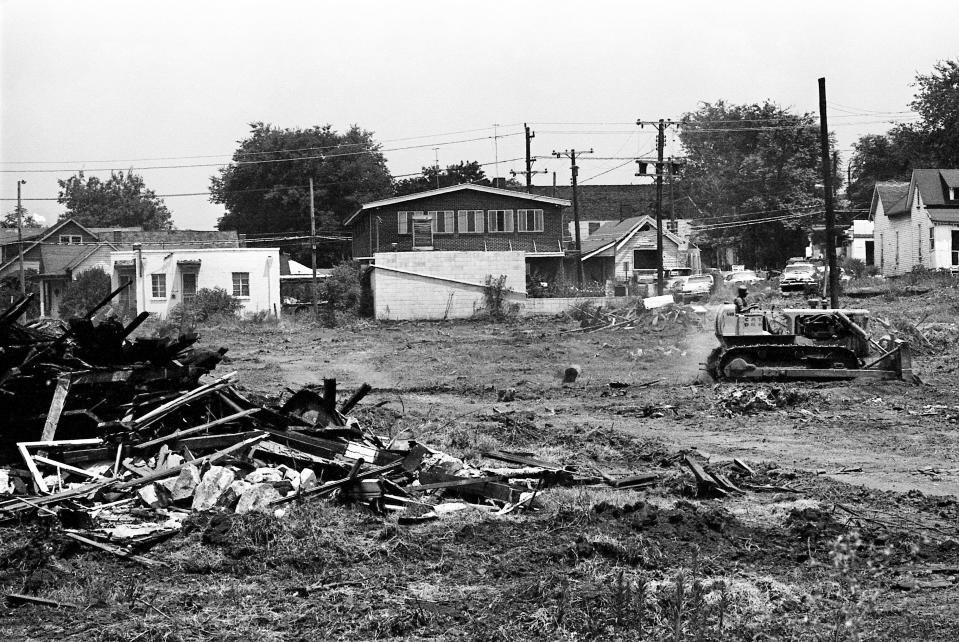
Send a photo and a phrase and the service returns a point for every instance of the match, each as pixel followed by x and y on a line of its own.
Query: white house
pixel 164 278
pixel 859 243
pixel 917 223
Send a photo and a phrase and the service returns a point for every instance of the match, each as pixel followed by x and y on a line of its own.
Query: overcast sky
pixel 101 84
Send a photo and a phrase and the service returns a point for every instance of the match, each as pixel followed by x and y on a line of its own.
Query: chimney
pixel 499 182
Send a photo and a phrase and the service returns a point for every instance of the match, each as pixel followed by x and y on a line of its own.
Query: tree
pixel 937 102
pixel 84 292
pixel 123 200
pixel 29 220
pixel 933 141
pixel 753 163
pixel 876 157
pixel 266 187
pixel 462 172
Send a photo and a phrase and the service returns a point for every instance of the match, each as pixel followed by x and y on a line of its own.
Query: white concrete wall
pixel 942 255
pixel 438 285
pixel 551 307
pixel 216 271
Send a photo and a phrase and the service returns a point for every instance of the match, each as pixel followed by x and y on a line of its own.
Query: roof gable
pixel 50 231
pixel 457 188
pixel 617 232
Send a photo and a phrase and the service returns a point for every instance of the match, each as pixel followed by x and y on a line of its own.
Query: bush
pixel 342 287
pixel 10 292
pixel 84 292
pixel 856 268
pixel 208 302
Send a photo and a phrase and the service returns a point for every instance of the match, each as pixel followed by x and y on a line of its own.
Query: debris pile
pixel 673 316
pixel 755 399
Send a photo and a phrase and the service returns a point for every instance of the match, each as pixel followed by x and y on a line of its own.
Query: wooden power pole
pixel 827 188
pixel 574 173
pixel 316 307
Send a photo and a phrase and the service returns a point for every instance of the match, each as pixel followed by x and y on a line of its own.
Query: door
pixel 128 297
pixel 188 287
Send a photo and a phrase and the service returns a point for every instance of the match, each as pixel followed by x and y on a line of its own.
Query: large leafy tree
pixel 752 163
pixel 266 187
pixel 123 200
pixel 432 177
pixel 933 141
pixel 29 220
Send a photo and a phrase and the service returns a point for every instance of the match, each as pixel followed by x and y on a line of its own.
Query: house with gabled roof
pixel 467 218
pixel 917 223
pixel 618 249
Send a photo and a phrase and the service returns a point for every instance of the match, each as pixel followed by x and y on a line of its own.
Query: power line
pixel 253 162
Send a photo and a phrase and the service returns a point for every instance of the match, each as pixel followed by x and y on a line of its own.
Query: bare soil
pixel 868 549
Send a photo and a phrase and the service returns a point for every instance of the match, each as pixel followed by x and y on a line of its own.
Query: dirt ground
pixel 868 548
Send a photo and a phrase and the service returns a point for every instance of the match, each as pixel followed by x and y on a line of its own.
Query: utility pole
pixel 574 172
pixel 827 188
pixel 529 161
pixel 436 152
pixel 23 282
pixel 661 126
pixel 316 307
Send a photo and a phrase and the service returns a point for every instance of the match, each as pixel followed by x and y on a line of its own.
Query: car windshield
pixel 699 279
pixel 799 269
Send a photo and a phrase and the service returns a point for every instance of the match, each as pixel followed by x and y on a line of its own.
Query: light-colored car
pixel 799 277
pixel 744 276
pixel 698 285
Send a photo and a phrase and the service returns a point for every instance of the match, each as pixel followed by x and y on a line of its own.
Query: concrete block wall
pixel 551 307
pixel 438 285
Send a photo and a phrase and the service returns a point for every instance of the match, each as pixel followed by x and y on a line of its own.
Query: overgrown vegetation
pixel 84 292
pixel 209 304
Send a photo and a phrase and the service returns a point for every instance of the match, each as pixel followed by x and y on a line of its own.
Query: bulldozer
pixel 804 343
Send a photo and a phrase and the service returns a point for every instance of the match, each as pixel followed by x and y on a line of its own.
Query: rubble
pixel 656 314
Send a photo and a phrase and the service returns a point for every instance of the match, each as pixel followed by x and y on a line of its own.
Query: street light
pixel 23 283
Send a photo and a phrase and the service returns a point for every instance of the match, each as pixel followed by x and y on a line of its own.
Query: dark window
pixel 189 286
pixel 955 247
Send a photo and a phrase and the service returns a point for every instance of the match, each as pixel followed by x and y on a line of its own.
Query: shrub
pixel 856 268
pixel 342 287
pixel 10 292
pixel 494 294
pixel 84 292
pixel 208 302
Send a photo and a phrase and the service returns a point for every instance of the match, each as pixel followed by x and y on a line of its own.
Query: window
pixel 932 239
pixel 897 248
pixel 158 282
pixel 955 247
pixel 188 280
pixel 470 221
pixel 672 226
pixel 500 220
pixel 955 193
pixel 882 252
pixel 241 284
pixel 71 239
pixel 919 244
pixel 529 220
pixel 443 221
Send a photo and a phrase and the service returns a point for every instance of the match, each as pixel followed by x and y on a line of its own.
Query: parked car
pixel 697 286
pixel 799 277
pixel 743 276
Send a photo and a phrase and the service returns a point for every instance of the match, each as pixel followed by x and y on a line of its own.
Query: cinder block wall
pixel 438 285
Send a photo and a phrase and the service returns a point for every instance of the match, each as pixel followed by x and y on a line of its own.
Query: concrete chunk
pixel 229 498
pixel 257 498
pixel 214 482
pixel 186 483
pixel 155 495
pixel 261 475
pixel 308 479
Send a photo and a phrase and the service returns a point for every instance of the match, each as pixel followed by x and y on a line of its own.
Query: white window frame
pixel 71 239
pixel 448 221
pixel 492 223
pixel 158 284
pixel 233 281
pixel 522 221
pixel 932 238
pixel 465 217
pixel 403 222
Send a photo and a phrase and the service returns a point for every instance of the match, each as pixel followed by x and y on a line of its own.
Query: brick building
pixel 467 217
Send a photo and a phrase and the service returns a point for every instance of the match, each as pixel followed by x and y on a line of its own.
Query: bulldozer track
pixel 772 355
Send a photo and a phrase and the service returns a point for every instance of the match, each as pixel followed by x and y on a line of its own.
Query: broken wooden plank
pixel 355 398
pixel 192 395
pixel 744 467
pixel 206 442
pixel 115 550
pixel 56 407
pixel 523 460
pixel 458 483
pixel 193 431
pixel 19 598
pixel 32 467
pixel 486 490
pixel 705 484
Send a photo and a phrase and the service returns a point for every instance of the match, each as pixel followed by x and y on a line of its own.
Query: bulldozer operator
pixel 741 301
